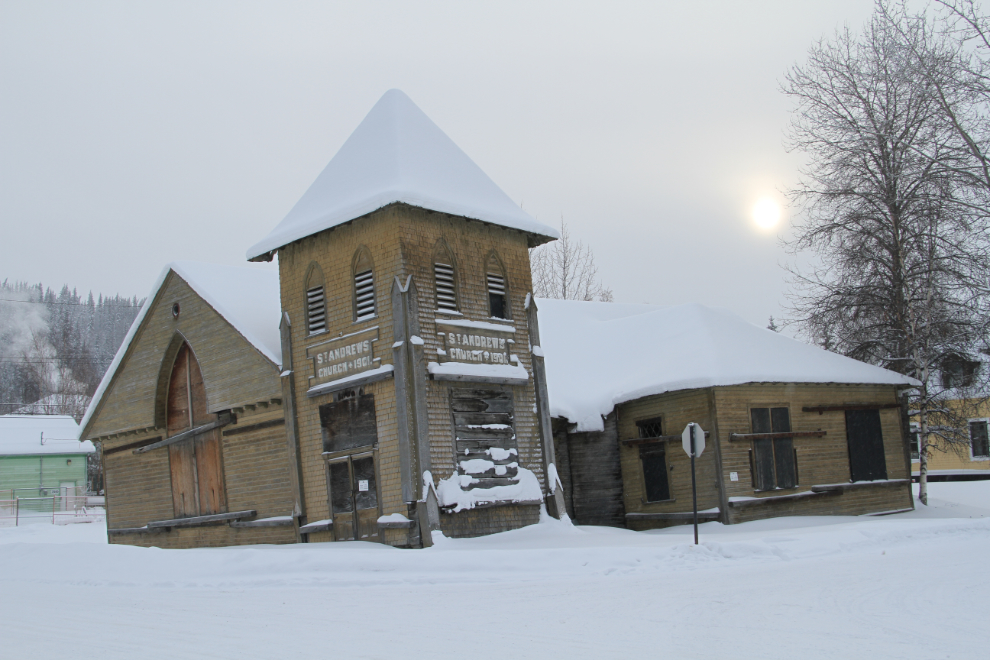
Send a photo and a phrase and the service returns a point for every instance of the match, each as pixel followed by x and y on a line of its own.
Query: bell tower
pixel 413 373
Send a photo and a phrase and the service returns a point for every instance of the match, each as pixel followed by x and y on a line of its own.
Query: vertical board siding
pixel 596 476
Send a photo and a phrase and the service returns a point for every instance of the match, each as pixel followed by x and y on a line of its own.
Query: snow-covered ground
pixel 903 586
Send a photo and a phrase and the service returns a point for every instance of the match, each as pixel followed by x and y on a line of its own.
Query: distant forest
pixel 55 347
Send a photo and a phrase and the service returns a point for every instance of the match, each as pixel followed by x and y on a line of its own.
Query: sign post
pixel 693 441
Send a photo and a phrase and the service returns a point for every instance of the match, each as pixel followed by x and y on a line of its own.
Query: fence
pixel 61 507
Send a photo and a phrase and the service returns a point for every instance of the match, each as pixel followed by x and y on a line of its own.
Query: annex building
pixel 389 382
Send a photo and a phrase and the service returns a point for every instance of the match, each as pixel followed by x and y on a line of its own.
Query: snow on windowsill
pixel 370 373
pixel 452 492
pixel 502 371
pixel 478 325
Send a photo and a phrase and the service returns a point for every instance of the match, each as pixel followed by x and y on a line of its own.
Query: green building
pixel 41 456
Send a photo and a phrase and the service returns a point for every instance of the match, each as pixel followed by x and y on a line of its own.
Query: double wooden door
pixel 350 442
pixel 196 463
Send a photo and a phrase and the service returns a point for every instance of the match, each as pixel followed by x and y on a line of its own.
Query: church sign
pixel 475 342
pixel 343 356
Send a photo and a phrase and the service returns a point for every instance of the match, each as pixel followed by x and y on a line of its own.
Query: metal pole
pixel 694 488
pixel 17 511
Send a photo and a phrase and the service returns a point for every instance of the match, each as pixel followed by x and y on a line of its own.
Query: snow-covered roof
pixel 249 298
pixel 28 435
pixel 397 154
pixel 599 355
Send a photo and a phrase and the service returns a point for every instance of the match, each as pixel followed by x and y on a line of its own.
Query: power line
pixel 86 304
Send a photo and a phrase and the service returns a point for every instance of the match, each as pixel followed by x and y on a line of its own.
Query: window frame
pixel 494 267
pixel 652 449
pixel 986 422
pixel 314 279
pixel 362 264
pixel 914 438
pixel 775 450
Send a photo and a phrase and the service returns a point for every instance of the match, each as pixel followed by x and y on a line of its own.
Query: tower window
pixel 316 309
pixel 446 290
pixel 496 296
pixel 364 295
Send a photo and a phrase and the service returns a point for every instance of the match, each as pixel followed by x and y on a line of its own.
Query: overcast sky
pixel 134 134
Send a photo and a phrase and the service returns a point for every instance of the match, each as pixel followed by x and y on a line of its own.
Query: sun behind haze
pixel 766 213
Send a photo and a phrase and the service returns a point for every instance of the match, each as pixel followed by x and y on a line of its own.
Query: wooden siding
pixel 676 410
pixel 592 476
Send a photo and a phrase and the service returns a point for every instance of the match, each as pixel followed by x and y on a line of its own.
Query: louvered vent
pixel 446 298
pixel 496 295
pixel 364 292
pixel 316 308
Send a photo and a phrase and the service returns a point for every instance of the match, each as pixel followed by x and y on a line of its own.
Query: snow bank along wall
pixel 773 449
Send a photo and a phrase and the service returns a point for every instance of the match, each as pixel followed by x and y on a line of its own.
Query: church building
pixel 408 391
pixel 388 383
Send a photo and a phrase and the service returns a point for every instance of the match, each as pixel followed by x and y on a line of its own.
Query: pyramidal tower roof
pixel 397 154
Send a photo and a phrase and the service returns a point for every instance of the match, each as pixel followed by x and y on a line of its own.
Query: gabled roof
pixel 397 154
pixel 31 435
pixel 599 355
pixel 247 298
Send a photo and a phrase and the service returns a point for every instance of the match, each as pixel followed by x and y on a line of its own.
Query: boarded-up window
pixel 349 423
pixel 485 435
pixel 196 463
pixel 774 462
pixel 979 442
pixel 865 440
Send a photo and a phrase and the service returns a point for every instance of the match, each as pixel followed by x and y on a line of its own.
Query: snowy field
pixel 902 586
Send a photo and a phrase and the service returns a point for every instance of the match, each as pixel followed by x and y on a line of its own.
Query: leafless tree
pixel 902 249
pixel 565 269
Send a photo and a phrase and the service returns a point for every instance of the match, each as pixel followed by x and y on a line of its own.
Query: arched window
pixel 445 278
pixel 316 302
pixel 195 462
pixel 364 286
pixel 498 302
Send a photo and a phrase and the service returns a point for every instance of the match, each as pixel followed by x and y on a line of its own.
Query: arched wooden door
pixel 196 462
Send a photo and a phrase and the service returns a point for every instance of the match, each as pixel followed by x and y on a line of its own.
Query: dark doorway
pixel 865 439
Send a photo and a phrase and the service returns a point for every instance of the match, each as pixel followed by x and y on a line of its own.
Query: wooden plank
pixel 490 482
pixel 632 442
pixel 399 524
pixel 122 531
pixel 195 521
pixel 771 499
pixel 223 419
pixel 856 485
pixel 279 522
pixel 776 436
pixel 319 526
pixel 238 430
pixel 494 380
pixel 132 445
pixel 209 470
pixel 182 465
pixel 464 419
pixel 683 515
pixel 850 406
pixel 510 473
